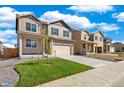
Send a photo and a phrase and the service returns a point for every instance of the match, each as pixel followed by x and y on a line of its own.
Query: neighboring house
pixel 29 37
pixel 108 45
pixel 119 47
pixel 86 42
pixel 1 49
pixel 60 38
pixel 30 40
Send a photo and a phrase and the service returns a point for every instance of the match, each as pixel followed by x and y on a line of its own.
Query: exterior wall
pixel 83 33
pixel 61 43
pixel 112 49
pixel 30 50
pixel 1 49
pixel 22 24
pixel 76 36
pixel 61 28
pixel 99 43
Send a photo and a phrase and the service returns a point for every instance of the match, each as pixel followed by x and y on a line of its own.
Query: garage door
pixel 61 49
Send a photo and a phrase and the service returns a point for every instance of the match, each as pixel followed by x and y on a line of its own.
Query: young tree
pixel 45 42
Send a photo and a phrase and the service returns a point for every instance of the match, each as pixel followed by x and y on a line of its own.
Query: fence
pixel 10 52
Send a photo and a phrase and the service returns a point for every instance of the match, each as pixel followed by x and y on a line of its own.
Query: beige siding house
pixel 30 41
pixel 29 38
pixel 60 38
pixel 86 42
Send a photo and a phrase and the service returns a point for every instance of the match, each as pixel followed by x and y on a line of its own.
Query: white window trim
pixel 31 28
pixel 31 46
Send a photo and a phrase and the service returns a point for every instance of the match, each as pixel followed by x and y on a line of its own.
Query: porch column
pixel 103 49
pixel 106 48
pixel 20 46
pixel 94 48
pixel 86 48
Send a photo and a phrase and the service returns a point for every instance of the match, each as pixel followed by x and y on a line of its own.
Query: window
pixel 55 31
pixel 30 27
pixel 84 36
pixel 100 39
pixel 96 38
pixel 66 33
pixel 30 43
pixel 33 28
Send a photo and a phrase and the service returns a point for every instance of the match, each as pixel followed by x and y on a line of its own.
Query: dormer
pixel 85 35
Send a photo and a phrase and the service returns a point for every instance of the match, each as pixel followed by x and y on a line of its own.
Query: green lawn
pixel 32 73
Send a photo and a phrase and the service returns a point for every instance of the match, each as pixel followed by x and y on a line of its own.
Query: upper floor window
pixel 55 31
pixel 100 38
pixel 30 43
pixel 33 28
pixel 66 33
pixel 30 27
pixel 96 38
pixel 85 37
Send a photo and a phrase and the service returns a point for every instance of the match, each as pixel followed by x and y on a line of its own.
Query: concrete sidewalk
pixel 86 60
pixel 100 77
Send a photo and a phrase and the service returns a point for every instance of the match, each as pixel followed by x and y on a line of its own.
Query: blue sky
pixel 108 19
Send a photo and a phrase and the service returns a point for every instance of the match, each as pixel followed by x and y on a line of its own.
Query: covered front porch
pixel 88 47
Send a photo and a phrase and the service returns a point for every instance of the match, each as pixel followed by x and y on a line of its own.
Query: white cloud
pixel 92 8
pixel 108 27
pixel 8 37
pixel 122 41
pixel 8 33
pixel 8 13
pixel 119 16
pixel 73 20
pixel 7 22
pixel 8 16
pixel 9 45
pixel 78 22
pixel 6 25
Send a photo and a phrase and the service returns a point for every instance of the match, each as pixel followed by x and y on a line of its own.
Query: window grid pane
pixel 33 28
pixel 28 26
pixel 33 43
pixel 66 33
pixel 55 31
pixel 28 43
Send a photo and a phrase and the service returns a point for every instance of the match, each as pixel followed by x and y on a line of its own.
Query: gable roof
pixel 86 31
pixel 99 32
pixel 61 21
pixel 30 15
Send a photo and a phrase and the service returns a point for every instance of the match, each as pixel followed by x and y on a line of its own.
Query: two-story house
pixel 86 42
pixel 30 40
pixel 28 35
pixel 60 38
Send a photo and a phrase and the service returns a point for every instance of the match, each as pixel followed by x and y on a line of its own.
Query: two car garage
pixel 62 49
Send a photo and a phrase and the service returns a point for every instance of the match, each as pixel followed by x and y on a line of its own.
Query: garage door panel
pixel 61 49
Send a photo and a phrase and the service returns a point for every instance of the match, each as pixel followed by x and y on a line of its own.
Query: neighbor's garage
pixel 59 49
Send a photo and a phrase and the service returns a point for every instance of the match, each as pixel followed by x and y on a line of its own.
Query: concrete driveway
pixel 7 72
pixel 105 76
pixel 88 61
